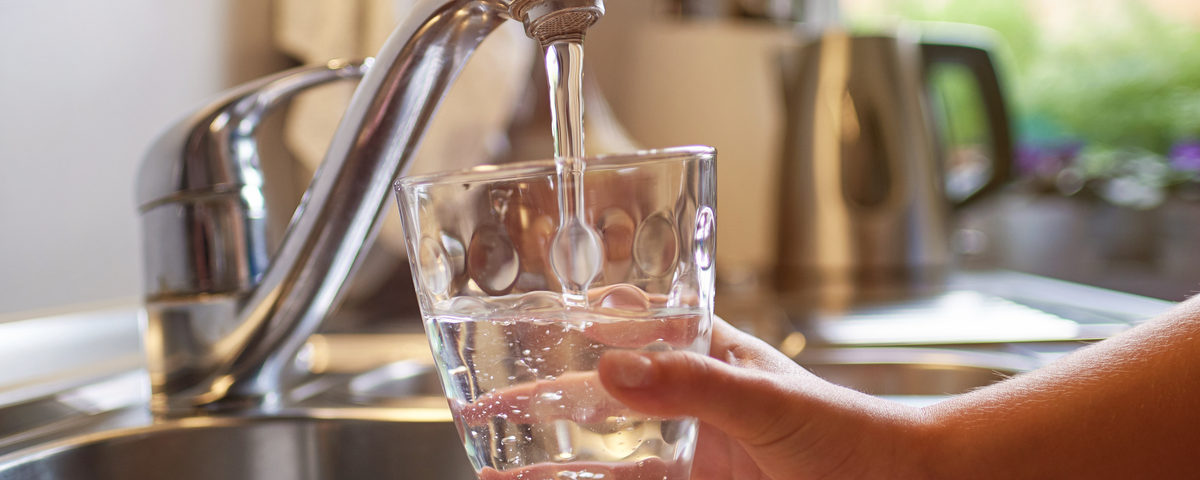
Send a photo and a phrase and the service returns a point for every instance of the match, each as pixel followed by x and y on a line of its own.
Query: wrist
pixel 941 451
pixel 927 438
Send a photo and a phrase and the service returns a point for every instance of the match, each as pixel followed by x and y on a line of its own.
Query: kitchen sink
pixel 400 427
pixel 372 406
pixel 921 372
pixel 304 446
pixel 892 372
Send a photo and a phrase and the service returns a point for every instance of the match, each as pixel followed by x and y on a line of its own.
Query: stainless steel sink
pixel 881 371
pixel 401 428
pixel 928 372
pixel 79 421
pixel 304 446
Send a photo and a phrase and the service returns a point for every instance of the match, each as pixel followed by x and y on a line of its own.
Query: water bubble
pixel 623 297
pixel 623 442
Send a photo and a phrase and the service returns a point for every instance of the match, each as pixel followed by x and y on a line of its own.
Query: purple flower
pixel 1185 155
pixel 1046 160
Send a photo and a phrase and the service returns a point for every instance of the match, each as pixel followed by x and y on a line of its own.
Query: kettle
pixel 865 212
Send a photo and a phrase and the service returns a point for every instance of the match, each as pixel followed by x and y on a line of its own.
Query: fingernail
pixel 632 370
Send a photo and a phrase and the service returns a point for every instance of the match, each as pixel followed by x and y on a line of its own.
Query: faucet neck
pixel 227 350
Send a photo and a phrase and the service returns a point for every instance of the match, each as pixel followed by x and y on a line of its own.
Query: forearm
pixel 1128 407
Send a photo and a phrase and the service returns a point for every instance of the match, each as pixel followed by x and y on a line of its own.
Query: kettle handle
pixel 978 61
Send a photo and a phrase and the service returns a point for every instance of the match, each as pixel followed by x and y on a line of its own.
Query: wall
pixel 84 88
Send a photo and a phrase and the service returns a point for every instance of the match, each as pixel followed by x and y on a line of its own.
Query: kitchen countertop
pixel 47 353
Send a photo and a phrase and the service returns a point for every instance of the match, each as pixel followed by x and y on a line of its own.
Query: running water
pixel 575 253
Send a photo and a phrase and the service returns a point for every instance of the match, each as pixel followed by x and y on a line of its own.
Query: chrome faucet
pixel 224 319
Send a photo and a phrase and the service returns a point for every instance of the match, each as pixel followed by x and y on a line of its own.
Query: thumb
pixel 747 405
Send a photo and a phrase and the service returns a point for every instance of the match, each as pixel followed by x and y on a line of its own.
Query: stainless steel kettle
pixel 865 212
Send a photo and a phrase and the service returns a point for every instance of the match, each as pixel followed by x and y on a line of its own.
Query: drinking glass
pixel 516 355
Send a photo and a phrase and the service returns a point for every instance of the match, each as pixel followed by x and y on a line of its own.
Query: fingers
pixel 577 396
pixel 746 404
pixel 678 332
pixel 651 468
pixel 741 349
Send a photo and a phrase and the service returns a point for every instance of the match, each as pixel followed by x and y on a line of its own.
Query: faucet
pixel 224 318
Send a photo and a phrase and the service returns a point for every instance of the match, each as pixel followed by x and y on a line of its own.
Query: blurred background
pixel 1104 97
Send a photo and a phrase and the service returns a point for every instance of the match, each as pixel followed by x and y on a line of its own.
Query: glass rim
pixel 530 167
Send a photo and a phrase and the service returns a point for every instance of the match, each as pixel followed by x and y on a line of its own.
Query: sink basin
pixel 392 422
pixel 253 448
pixel 884 371
pixel 925 372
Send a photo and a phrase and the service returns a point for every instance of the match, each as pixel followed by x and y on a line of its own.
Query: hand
pixel 765 417
pixel 762 415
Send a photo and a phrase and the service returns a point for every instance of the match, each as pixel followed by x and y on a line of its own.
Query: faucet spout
pixel 372 146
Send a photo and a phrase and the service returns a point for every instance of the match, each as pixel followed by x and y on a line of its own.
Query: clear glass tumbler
pixel 516 356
